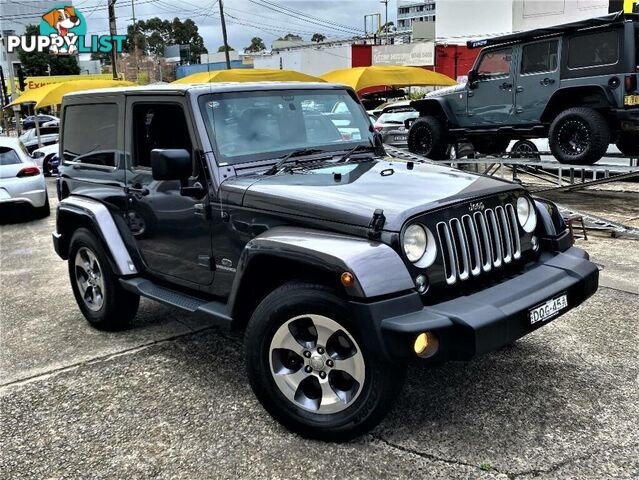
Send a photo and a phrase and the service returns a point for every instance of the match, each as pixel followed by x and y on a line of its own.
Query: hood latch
pixel 377 224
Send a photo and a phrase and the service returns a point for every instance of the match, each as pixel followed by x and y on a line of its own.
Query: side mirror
pixel 473 78
pixel 171 164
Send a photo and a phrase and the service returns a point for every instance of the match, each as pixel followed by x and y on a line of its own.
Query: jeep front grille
pixel 478 242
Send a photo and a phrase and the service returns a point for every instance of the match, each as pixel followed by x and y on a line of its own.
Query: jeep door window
pixel 253 126
pixel 539 57
pixel 593 49
pixel 158 125
pixel 90 134
pixel 495 64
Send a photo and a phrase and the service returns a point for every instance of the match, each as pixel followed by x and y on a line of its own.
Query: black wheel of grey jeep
pixel 310 369
pixel 579 136
pixel 628 144
pixel 428 137
pixel 103 302
pixel 524 149
pixel 491 145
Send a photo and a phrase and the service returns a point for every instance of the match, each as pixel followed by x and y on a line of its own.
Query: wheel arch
pixel 288 253
pixel 436 107
pixel 588 96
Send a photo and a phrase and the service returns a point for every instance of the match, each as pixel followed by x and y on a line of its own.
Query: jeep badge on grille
pixel 476 207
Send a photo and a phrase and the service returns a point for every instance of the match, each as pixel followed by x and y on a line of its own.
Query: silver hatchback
pixel 21 181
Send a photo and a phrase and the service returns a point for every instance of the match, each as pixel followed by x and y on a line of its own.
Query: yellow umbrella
pixel 390 76
pixel 249 75
pixel 52 94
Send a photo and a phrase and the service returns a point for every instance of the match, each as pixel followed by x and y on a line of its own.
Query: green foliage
pixel 290 36
pixel 44 63
pixel 153 35
pixel 318 37
pixel 485 466
pixel 221 48
pixel 257 45
pixel 143 78
pixel 416 95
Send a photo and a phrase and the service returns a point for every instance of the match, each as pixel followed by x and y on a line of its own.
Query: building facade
pixel 409 12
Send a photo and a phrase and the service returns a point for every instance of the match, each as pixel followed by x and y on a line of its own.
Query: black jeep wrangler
pixel 575 84
pixel 259 206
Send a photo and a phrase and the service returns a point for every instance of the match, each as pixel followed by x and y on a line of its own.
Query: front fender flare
pixel 377 268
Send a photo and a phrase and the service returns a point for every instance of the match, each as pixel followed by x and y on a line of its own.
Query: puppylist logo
pixel 63 30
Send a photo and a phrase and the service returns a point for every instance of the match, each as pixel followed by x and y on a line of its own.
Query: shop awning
pixel 249 75
pixel 389 76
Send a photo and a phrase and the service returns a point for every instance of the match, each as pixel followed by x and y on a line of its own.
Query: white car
pixel 21 181
pixel 47 158
pixel 48 136
pixel 536 147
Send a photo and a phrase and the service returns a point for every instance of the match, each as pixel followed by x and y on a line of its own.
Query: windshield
pixel 396 117
pixel 252 126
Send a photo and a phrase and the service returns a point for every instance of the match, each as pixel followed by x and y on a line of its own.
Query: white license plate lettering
pixel 548 310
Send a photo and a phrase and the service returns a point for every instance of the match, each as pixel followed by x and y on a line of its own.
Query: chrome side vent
pixel 478 242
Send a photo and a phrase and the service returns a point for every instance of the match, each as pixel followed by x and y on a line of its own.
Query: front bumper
pixel 628 118
pixel 481 322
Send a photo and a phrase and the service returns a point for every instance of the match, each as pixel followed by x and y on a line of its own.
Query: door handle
pixel 506 86
pixel 202 210
pixel 519 89
pixel 547 81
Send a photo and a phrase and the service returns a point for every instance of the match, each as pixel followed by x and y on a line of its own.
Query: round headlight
pixel 415 242
pixel 526 214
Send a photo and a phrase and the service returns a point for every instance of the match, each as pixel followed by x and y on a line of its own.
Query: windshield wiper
pixel 295 153
pixel 356 148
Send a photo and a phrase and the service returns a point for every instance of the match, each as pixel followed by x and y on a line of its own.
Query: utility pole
pixel 385 2
pixel 135 41
pixel 226 43
pixel 113 31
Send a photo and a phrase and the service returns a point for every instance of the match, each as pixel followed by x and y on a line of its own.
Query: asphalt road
pixel 168 398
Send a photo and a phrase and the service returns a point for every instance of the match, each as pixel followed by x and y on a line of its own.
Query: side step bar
pixel 146 288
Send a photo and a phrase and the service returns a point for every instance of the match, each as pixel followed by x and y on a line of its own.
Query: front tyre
pixel 579 136
pixel 310 369
pixel 102 300
pixel 428 137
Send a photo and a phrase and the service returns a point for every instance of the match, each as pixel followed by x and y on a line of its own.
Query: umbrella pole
pixel 37 124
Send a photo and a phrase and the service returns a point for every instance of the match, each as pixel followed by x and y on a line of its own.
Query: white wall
pixel 467 18
pixel 530 14
pixel 312 60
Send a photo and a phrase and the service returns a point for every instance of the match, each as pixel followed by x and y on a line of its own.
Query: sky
pixel 245 18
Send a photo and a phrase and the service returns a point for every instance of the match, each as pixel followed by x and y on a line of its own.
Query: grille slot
pixel 478 242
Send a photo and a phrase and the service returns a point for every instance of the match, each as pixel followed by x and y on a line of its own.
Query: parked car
pixel 48 136
pixel 582 96
pixel 391 126
pixel 535 147
pixel 340 264
pixel 21 181
pixel 30 121
pixel 48 158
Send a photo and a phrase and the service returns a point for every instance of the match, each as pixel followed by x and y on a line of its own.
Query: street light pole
pixel 113 31
pixel 135 41
pixel 226 43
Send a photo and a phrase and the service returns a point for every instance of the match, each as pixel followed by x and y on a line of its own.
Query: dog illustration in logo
pixel 62 19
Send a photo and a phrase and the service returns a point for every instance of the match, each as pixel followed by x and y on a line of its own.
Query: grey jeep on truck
pixel 575 84
pixel 264 208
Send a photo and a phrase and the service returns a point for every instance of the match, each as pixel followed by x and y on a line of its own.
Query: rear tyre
pixel 428 137
pixel 491 145
pixel 524 149
pixel 102 300
pixel 310 369
pixel 579 136
pixel 45 210
pixel 628 144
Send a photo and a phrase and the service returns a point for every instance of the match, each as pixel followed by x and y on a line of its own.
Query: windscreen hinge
pixel 377 223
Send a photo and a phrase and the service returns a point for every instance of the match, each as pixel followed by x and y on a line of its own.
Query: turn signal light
pixel 28 172
pixel 631 83
pixel 347 279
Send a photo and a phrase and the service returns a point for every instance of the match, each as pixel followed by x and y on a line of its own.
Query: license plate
pixel 631 100
pixel 548 309
pixel 401 138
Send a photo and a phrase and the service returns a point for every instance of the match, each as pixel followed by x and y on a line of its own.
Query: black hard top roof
pixel 618 17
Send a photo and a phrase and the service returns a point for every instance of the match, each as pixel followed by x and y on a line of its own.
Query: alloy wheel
pixel 573 137
pixel 89 278
pixel 317 364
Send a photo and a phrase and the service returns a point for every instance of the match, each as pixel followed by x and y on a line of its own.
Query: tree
pixel 222 48
pixel 291 37
pixel 44 63
pixel 317 38
pixel 154 34
pixel 257 45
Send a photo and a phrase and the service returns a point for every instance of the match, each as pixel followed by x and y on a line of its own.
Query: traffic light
pixel 21 82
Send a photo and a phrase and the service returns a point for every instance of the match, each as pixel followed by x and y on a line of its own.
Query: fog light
pixel 347 279
pixel 535 243
pixel 421 282
pixel 426 344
